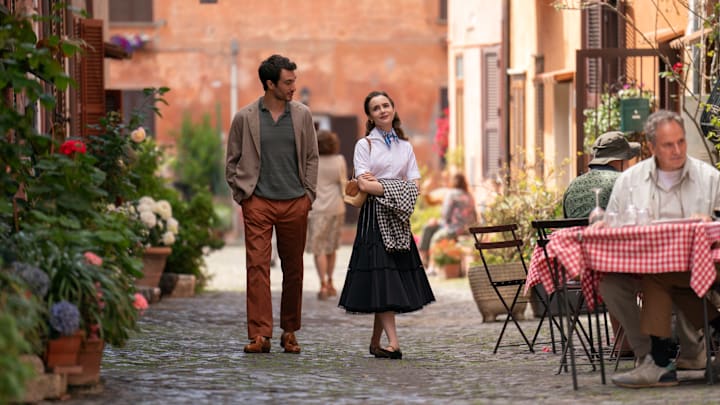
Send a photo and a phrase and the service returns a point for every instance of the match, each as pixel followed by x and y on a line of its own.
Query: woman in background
pixel 326 217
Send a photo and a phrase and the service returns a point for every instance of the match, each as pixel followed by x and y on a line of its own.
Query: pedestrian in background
pixel 271 168
pixel 328 211
pixel 385 275
pixel 457 214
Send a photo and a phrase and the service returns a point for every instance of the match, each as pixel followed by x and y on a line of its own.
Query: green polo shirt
pixel 279 175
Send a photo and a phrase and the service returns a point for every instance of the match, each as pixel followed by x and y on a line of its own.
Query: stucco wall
pixel 343 50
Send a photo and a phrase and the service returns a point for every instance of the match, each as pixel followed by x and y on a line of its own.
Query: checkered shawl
pixel 394 208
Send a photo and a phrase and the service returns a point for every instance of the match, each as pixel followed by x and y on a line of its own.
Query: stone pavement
pixel 189 351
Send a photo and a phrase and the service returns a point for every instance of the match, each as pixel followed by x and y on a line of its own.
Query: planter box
pixel 154 260
pixel 175 285
pixel 486 299
pixel 90 358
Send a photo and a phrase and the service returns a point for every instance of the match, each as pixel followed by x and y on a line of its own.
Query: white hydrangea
pixel 173 225
pixel 164 209
pixel 168 238
pixel 148 218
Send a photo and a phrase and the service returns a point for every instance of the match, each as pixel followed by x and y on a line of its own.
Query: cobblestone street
pixel 190 351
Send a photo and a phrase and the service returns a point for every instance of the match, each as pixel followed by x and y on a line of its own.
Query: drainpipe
pixel 234 49
pixel 692 26
pixel 506 78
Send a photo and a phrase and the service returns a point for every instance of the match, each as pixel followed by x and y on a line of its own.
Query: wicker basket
pixel 485 297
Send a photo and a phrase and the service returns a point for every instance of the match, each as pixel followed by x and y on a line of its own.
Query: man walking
pixel 271 168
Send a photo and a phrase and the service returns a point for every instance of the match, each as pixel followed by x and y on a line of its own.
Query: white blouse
pixel 394 162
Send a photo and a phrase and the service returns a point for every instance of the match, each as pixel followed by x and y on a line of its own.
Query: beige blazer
pixel 242 165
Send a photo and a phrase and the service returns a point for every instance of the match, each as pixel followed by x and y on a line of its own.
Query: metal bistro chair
pixel 499 241
pixel 571 301
pixel 710 344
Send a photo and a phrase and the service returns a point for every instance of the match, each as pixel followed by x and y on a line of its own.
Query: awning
pixel 690 38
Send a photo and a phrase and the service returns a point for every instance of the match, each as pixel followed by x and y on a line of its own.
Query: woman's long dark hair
pixel 369 125
pixel 458 181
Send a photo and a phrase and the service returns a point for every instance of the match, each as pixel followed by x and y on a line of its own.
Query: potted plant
pixel 158 234
pixel 447 255
pixel 65 337
pixel 22 323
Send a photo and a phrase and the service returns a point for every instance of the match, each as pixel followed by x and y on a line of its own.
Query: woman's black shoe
pixel 388 354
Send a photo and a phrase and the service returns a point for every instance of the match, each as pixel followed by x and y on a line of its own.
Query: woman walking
pixel 385 275
pixel 328 211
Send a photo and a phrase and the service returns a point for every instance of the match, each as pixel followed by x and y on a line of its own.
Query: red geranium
pixel 72 146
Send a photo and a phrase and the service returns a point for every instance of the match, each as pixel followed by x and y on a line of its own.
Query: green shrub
pixel 198 164
pixel 523 200
pixel 196 237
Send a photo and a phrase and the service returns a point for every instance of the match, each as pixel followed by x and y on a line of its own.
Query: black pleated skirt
pixel 378 281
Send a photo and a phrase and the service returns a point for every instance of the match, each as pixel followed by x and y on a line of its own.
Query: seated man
pixel 671 185
pixel 611 155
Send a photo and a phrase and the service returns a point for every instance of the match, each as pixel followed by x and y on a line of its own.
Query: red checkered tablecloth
pixel 652 249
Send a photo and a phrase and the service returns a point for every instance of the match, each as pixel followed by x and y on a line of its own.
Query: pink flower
pixel 140 303
pixel 93 259
pixel 72 146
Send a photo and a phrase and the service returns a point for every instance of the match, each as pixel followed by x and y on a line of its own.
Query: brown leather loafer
pixel 289 343
pixel 259 344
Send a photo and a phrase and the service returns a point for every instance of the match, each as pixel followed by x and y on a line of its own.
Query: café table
pixel 586 253
pixel 666 246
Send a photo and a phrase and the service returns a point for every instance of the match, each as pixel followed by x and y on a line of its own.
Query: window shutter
pixel 91 77
pixel 492 157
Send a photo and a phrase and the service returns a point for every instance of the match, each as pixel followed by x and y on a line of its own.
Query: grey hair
pixel 661 117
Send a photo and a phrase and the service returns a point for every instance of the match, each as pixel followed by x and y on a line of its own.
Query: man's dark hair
pixel 270 69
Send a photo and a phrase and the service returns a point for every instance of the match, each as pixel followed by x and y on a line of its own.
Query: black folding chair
pixel 710 345
pixel 497 242
pixel 571 303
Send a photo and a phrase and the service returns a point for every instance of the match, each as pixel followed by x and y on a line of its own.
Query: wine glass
pixel 629 216
pixel 597 214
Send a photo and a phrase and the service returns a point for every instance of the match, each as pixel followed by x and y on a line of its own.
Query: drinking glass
pixel 597 214
pixel 643 216
pixel 612 219
pixel 629 216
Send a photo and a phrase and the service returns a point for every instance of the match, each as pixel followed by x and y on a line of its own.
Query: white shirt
pixel 697 192
pixel 395 162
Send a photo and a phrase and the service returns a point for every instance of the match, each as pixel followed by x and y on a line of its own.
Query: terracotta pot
pixel 90 358
pixel 451 270
pixel 154 260
pixel 63 351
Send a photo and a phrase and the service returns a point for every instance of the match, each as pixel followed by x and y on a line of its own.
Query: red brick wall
pixel 343 49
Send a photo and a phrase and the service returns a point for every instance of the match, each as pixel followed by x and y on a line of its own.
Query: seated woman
pixel 458 212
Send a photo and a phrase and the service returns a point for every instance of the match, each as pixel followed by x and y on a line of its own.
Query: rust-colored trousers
pixel 289 218
pixel 660 291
